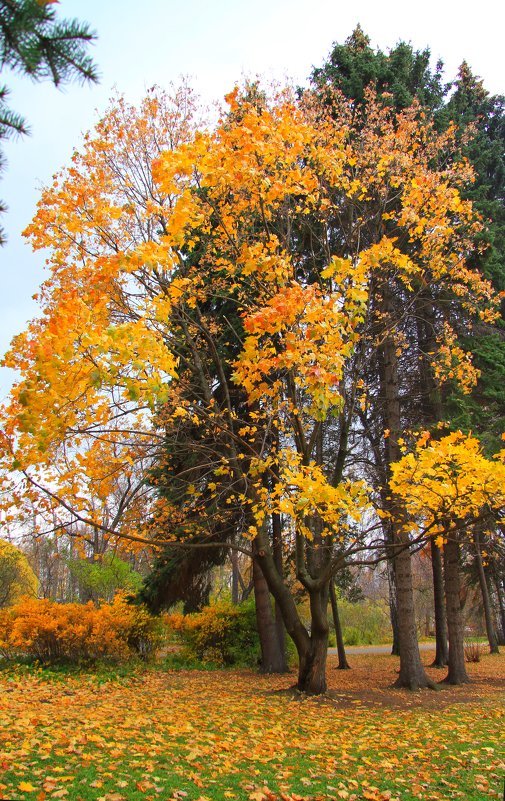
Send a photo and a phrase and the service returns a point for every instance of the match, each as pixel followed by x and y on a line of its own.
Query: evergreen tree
pixel 480 118
pixel 407 395
pixel 35 43
pixel 399 77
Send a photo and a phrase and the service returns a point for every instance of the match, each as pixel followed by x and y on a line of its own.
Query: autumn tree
pixel 448 488
pixel 17 578
pixel 231 298
pixel 414 397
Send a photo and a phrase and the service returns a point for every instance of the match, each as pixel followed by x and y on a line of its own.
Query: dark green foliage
pixel 471 105
pixel 222 634
pixel 35 43
pixel 483 412
pixel 404 73
pixel 181 574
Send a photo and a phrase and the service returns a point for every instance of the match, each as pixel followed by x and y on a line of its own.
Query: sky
pixel 215 44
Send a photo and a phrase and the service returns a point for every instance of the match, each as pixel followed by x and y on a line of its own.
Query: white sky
pixel 215 43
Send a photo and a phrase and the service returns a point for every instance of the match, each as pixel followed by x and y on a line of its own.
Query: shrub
pixel 472 651
pixel 365 622
pixel 79 633
pixel 221 633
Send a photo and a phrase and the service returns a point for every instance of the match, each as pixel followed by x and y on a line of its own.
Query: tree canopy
pixel 233 320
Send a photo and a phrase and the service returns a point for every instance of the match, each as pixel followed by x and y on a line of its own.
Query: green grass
pixel 221 735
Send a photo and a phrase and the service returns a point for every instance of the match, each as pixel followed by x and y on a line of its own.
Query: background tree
pixel 17 578
pixel 398 77
pixel 449 488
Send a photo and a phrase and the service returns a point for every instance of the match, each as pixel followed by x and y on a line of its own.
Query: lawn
pixel 212 735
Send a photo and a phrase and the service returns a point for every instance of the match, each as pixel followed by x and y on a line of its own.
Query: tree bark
pixel 393 608
pixel 501 604
pixel 272 660
pixel 277 554
pixel 343 664
pixel 486 600
pixel 457 670
pixel 234 576
pixel 412 674
pixel 441 645
pixel 312 649
pixel 312 665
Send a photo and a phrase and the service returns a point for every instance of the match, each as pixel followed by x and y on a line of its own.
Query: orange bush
pixel 50 631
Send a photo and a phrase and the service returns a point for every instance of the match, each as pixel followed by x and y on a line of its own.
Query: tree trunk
pixel 393 608
pixel 234 576
pixel 343 664
pixel 277 554
pixel 312 649
pixel 457 670
pixel 272 660
pixel 412 674
pixel 486 601
pixel 501 605
pixel 441 652
pixel 312 664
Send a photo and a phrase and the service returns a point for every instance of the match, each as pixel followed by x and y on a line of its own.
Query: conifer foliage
pixel 34 42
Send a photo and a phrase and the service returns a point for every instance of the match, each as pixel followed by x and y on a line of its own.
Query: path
pixel 377 649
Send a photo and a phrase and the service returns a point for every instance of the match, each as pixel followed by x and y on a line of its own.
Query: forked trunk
pixel 312 649
pixel 442 652
pixel 272 657
pixel 312 665
pixel 457 670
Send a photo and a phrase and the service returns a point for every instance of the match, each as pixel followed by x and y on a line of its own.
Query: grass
pixel 210 736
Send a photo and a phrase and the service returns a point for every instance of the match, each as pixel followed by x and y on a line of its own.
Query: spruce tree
pixel 34 42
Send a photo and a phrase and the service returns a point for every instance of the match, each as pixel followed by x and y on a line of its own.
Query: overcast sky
pixel 215 44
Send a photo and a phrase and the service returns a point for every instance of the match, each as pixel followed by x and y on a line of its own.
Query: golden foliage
pixel 17 578
pixel 448 483
pixel 50 631
pixel 196 735
pixel 154 227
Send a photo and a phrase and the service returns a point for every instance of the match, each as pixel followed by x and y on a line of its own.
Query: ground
pixel 216 735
